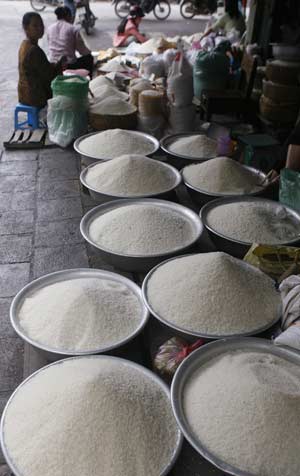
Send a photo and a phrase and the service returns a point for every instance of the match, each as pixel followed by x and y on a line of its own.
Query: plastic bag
pixel 182 119
pixel 75 87
pixel 289 190
pixel 67 119
pixel 154 125
pixel 153 65
pixel 211 71
pixel 180 82
pixel 172 353
pixel 276 261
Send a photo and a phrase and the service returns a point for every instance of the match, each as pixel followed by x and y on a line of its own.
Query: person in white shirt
pixel 231 20
pixel 64 39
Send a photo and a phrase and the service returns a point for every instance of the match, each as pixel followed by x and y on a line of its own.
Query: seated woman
pixel 129 28
pixel 64 39
pixel 35 71
pixel 231 20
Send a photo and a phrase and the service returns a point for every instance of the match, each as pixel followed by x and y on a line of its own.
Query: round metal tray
pixel 139 263
pixel 201 196
pixel 180 161
pixel 187 332
pixel 139 368
pixel 199 358
pixel 233 246
pixel 88 159
pixel 58 276
pixel 104 197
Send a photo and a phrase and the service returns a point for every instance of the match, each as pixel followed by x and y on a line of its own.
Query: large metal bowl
pixel 187 333
pixel 199 358
pixel 88 159
pixel 180 161
pixel 201 197
pixel 52 354
pixel 101 197
pixel 233 246
pixel 139 369
pixel 138 263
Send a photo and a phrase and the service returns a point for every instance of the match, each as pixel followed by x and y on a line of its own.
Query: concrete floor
pixel 41 203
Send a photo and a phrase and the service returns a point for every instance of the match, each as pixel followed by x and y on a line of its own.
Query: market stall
pixel 199 285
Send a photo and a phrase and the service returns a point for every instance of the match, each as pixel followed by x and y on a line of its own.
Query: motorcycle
pixel 40 5
pixel 191 8
pixel 160 8
pixel 86 18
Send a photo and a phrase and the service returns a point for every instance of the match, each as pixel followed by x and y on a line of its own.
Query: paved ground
pixel 41 205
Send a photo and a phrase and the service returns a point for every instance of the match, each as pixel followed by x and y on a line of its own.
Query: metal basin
pixel 88 159
pixel 101 197
pixel 138 263
pixel 199 358
pixel 180 161
pixel 52 354
pixel 233 246
pixel 122 362
pixel 201 197
pixel 187 333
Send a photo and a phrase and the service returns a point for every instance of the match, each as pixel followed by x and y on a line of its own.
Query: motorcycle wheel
pixel 162 10
pixel 38 5
pixel 122 8
pixel 187 9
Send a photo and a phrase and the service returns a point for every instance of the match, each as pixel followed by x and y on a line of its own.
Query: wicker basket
pixel 101 122
pixel 151 103
pixel 283 72
pixel 281 93
pixel 282 113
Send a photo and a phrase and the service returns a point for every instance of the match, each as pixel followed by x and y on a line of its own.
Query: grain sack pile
pixel 115 142
pixel 244 407
pixel 81 314
pixel 197 146
pixel 130 175
pixel 254 222
pixel 222 175
pixel 142 229
pixel 90 416
pixel 213 294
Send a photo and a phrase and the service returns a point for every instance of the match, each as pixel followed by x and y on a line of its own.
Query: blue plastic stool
pixel 32 121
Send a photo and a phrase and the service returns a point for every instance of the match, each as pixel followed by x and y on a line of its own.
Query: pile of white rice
pixel 213 294
pixel 81 314
pixel 222 175
pixel 130 175
pixel 107 91
pixel 90 416
pixel 115 142
pixel 113 106
pixel 257 221
pixel 142 230
pixel 244 407
pixel 195 146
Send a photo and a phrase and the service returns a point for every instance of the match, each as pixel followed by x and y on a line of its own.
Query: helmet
pixel 136 11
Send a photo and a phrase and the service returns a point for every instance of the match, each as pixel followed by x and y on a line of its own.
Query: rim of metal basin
pixel 150 138
pixel 176 175
pixel 122 361
pixel 197 333
pixel 223 201
pixel 200 357
pixel 67 274
pixel 109 206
